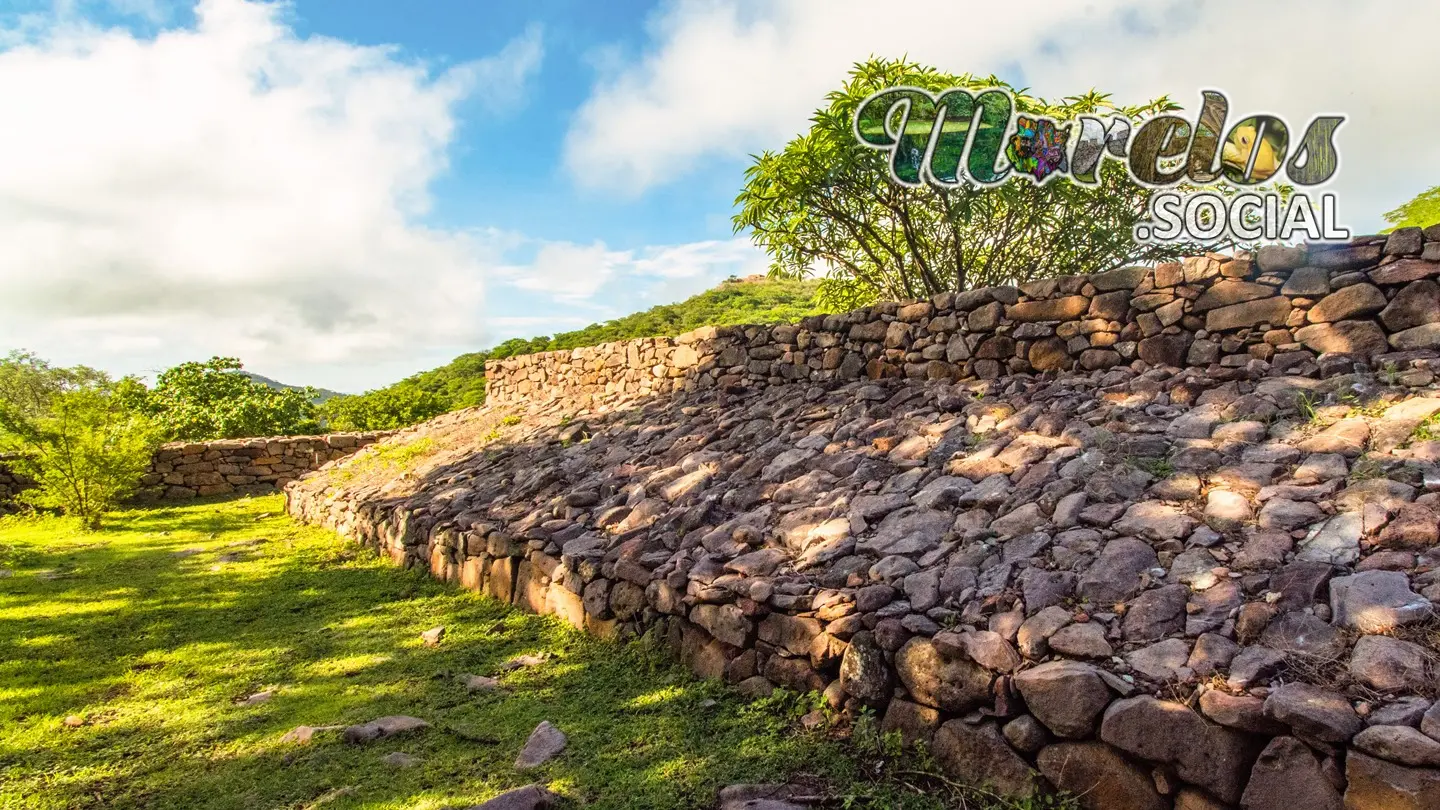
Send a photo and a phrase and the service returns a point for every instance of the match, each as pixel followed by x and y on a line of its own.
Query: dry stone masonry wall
pixel 182 470
pixel 1162 538
pixel 11 483
pixel 1284 307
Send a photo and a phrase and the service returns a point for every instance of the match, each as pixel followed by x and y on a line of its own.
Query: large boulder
pixel 1344 337
pixel 1288 774
pixel 977 755
pixel 530 797
pixel 1418 303
pixel 1374 783
pixel 1067 696
pixel 1376 602
pixel 1388 664
pixel 1354 301
pixel 1099 777
pixel 1116 575
pixel 1399 744
pixel 1314 712
pixel 1202 753
pixel 951 684
pixel 864 675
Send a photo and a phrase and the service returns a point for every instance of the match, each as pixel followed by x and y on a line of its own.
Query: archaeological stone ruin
pixel 184 470
pixel 1161 537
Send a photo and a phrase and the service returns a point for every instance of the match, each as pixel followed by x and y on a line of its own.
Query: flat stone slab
pixel 383 727
pixel 544 744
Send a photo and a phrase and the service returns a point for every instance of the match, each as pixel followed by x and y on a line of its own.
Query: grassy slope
pixel 151 649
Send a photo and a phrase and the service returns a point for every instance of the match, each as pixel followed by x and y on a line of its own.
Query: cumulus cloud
pixel 726 78
pixel 234 188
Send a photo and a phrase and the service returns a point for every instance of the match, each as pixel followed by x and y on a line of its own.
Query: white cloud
pixel 597 277
pixel 232 188
pixel 726 78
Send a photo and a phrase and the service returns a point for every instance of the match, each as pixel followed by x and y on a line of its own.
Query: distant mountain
pixel 323 393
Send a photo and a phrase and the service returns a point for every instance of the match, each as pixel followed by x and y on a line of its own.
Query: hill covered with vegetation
pixel 461 383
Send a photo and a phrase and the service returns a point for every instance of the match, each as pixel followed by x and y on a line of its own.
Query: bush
pixel 212 400
pixel 383 409
pixel 80 444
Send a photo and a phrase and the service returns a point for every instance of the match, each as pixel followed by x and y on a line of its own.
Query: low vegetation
pixel 70 432
pixel 199 402
pixel 1420 212
pixel 130 658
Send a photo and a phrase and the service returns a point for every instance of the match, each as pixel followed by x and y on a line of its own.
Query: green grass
pixel 389 457
pixel 1426 431
pixel 147 634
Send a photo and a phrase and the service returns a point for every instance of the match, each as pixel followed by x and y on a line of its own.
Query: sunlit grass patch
pixel 123 685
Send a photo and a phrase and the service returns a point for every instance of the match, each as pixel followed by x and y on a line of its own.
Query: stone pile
pixel 1201 573
pixel 183 470
pixel 1283 307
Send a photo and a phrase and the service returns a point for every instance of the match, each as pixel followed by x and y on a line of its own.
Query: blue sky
pixel 344 192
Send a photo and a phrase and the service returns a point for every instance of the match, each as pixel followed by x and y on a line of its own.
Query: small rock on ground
pixel 383 727
pixel 545 742
pixel 479 683
pixel 530 797
pixel 400 759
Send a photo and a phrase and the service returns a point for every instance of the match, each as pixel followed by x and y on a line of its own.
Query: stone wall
pixel 182 470
pixel 1193 565
pixel 1284 307
pixel 990 567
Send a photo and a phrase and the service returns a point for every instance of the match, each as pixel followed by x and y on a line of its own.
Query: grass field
pixel 124 654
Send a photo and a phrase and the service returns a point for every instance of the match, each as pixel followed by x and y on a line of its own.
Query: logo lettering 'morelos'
pixel 1318 151
pixel 957 126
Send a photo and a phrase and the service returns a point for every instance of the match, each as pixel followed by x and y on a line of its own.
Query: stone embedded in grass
pixel 73 721
pixel 759 797
pixel 530 797
pixel 432 637
pixel 400 759
pixel 384 727
pixel 479 683
pixel 523 661
pixel 303 734
pixel 257 698
pixel 545 742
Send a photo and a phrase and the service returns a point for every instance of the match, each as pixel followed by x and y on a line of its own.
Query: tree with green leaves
pixel 826 204
pixel 1421 212
pixel 389 408
pixel 213 400
pixel 71 434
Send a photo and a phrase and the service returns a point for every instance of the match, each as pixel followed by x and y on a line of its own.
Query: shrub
pixel 213 400
pixel 80 444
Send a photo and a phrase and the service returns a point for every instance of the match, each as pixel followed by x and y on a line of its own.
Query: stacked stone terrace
pixel 182 470
pixel 1161 538
pixel 1285 308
